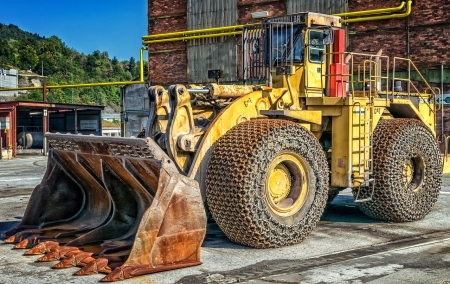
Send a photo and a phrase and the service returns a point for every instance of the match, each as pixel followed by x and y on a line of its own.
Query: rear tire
pixel 407 172
pixel 267 183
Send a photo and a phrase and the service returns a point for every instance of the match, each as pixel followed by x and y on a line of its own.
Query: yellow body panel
pixel 445 164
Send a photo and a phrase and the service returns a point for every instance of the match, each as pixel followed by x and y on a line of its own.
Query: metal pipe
pixel 185 33
pixel 442 97
pixel 383 17
pixel 198 91
pixel 191 37
pixel 141 64
pixel 122 112
pixel 76 121
pixel 368 12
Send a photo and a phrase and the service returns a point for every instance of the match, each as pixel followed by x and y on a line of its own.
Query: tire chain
pixel 395 141
pixel 236 169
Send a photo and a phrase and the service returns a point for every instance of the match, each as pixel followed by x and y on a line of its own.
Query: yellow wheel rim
pixel 414 173
pixel 286 184
pixel 408 170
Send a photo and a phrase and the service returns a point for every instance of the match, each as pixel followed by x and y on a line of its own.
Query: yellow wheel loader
pixel 264 159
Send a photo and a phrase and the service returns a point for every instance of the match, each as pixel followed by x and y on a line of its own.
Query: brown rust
pixel 42 248
pixel 28 242
pixel 57 253
pixel 123 199
pixel 99 265
pixel 73 259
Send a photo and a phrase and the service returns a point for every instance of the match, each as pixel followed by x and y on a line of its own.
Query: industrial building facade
pixel 423 36
pixel 8 79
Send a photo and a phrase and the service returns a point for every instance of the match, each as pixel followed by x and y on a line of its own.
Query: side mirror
pixel 328 36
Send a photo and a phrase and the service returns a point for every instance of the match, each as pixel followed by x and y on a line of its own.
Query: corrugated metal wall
pixel 318 6
pixel 212 53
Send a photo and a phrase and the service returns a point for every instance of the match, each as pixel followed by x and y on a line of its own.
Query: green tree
pixel 48 64
pixel 63 65
pixel 133 68
pixel 6 52
pixel 27 57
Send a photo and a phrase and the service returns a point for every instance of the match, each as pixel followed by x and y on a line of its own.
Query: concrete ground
pixel 346 246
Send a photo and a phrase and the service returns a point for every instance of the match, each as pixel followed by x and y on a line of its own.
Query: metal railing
pixel 409 82
pixel 365 70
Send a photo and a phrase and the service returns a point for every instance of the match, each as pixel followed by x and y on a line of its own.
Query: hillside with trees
pixel 62 65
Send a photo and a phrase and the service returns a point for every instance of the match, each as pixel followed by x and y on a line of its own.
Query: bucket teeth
pixel 85 261
pixel 42 248
pixel 20 236
pixel 74 260
pixel 99 265
pixel 11 239
pixel 57 254
pixel 28 242
pixel 117 274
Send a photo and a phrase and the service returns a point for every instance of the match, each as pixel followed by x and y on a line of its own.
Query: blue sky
pixel 115 26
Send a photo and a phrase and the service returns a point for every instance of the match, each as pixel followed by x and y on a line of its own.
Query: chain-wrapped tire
pixel 267 183
pixel 407 170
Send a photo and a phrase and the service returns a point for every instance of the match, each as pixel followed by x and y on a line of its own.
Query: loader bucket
pixel 122 199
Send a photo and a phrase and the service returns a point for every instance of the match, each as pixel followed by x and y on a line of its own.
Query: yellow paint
pixel 371 12
pixel 382 17
pixel 283 197
pixel 445 164
pixel 309 116
pixel 191 32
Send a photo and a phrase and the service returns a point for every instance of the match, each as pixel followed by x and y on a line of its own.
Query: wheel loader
pixel 264 159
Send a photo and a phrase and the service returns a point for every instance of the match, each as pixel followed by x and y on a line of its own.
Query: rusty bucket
pixel 122 199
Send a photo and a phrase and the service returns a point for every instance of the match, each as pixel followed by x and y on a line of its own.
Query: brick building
pixel 423 36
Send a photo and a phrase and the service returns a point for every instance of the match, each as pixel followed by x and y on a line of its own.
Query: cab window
pixel 316 47
pixel 281 41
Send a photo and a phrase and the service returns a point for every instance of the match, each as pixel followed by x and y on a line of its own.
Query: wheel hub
pixel 414 173
pixel 279 183
pixel 286 184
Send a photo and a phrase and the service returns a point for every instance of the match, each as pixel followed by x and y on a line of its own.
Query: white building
pixel 8 79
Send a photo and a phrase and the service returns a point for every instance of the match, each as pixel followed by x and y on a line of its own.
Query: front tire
pixel 267 183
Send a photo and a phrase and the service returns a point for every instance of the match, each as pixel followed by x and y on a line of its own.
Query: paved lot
pixel 346 247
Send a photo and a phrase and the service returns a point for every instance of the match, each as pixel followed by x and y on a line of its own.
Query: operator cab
pixel 292 45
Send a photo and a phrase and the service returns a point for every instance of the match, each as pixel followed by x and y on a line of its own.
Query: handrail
pixel 409 80
pixel 354 72
pixel 441 103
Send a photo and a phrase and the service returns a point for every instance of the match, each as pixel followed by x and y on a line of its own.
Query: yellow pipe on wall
pixel 141 63
pixel 369 12
pixel 188 35
pixel 192 37
pixel 185 33
pixel 383 17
